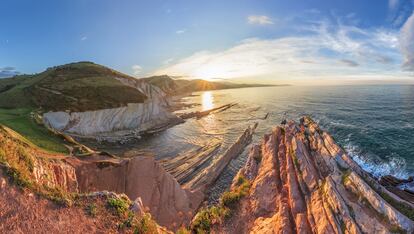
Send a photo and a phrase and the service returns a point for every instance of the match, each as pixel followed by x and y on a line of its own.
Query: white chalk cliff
pixel 135 117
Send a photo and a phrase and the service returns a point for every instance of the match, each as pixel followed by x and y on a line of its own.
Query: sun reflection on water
pixel 207 100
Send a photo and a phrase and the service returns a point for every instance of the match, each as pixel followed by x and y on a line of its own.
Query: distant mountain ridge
pixel 85 86
pixel 181 86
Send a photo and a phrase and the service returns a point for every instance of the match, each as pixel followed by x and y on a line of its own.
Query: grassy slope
pixel 75 87
pixel 20 121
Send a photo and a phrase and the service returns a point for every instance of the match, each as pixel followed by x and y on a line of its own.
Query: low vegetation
pixel 120 205
pixel 91 209
pixel 17 162
pixel 231 198
pixel 20 120
pixel 207 217
pixel 404 209
pixel 345 176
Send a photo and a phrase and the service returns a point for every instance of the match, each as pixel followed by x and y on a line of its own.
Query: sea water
pixel 374 123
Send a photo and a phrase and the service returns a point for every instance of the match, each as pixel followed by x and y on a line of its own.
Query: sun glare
pixel 207 100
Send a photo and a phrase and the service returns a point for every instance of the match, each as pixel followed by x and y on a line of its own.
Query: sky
pixel 267 41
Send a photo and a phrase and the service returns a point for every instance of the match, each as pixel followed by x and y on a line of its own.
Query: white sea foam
pixel 378 167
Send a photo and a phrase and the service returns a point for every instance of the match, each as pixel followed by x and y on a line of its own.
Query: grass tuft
pixel 207 217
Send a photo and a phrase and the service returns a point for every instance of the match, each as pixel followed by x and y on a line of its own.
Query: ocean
pixel 374 123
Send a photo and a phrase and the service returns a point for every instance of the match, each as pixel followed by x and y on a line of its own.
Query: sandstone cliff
pixel 300 181
pixel 169 204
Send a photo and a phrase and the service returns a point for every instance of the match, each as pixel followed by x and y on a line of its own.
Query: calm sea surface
pixel 375 124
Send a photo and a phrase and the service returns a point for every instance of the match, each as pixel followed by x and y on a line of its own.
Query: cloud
pixel 393 4
pixel 259 19
pixel 349 63
pixel 181 31
pixel 136 69
pixel 313 53
pixel 407 43
pixel 399 11
pixel 8 72
pixel 84 38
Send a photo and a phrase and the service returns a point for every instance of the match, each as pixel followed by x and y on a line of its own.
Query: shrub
pixel 183 230
pixel 120 205
pixel 345 176
pixel 26 158
pixel 207 217
pixel 145 225
pixel 230 198
pixel 397 230
pixel 91 209
pixel 17 178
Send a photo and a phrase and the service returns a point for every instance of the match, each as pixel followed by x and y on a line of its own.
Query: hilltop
pixel 76 87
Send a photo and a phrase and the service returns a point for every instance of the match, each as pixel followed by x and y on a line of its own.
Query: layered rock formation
pixel 301 181
pixel 151 91
pixel 134 118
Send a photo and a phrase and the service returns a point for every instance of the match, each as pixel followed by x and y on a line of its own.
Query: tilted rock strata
pixel 202 181
pixel 138 117
pixel 301 182
pixel 151 91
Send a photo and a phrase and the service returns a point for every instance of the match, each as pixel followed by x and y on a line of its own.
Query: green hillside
pixel 75 87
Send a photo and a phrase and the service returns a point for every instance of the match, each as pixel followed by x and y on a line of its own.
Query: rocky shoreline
pixel 297 180
pixel 301 181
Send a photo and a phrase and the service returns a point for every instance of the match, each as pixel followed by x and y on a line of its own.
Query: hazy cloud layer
pixel 259 19
pixel 407 43
pixel 349 63
pixel 136 69
pixel 8 72
pixel 314 53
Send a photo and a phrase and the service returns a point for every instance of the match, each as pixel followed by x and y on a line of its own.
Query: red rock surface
pixel 305 183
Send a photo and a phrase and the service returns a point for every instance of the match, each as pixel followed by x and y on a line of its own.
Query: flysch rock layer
pixel 303 182
pixel 139 117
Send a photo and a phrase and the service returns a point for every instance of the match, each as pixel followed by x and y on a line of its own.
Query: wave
pixel 338 124
pixel 378 167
